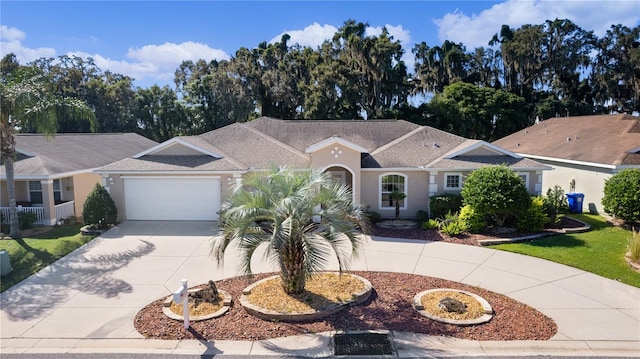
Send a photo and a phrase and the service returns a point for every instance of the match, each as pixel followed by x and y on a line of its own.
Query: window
pixel 525 179
pixel 388 184
pixel 452 181
pixel 57 191
pixel 35 192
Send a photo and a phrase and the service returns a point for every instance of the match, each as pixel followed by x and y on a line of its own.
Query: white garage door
pixel 167 198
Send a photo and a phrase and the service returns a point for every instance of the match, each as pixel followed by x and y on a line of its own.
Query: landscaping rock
pixel 451 305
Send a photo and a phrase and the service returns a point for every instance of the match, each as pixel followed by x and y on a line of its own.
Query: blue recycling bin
pixel 575 202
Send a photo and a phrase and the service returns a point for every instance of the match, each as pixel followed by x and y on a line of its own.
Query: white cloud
pixel 171 55
pixel 11 33
pixel 311 36
pixel 477 29
pixel 11 42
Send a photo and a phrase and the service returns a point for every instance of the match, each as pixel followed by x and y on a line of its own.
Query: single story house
pixel 54 174
pixel 187 178
pixel 584 151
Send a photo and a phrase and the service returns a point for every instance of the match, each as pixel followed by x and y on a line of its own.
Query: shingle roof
pixel 418 149
pixel 301 134
pixel 151 163
pixel 266 142
pixel 603 139
pixel 474 162
pixel 64 152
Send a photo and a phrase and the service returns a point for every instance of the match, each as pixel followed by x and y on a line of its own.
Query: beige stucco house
pixel 54 174
pixel 584 151
pixel 187 178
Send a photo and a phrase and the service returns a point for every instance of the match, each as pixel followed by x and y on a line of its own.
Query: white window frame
pixel 446 185
pixel 59 189
pixel 381 206
pixel 37 190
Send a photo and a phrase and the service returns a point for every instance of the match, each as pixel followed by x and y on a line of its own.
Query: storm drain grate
pixel 362 344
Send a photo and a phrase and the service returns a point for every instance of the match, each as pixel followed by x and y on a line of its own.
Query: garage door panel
pixel 172 198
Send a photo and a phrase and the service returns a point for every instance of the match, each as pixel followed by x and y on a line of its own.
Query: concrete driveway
pixel 95 292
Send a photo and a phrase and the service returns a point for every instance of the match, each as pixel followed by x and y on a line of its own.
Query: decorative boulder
pixel 452 306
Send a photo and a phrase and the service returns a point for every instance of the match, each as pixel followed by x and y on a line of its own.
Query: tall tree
pixel 302 216
pixel 616 71
pixel 159 114
pixel 477 112
pixel 370 69
pixel 214 94
pixel 26 95
pixel 440 66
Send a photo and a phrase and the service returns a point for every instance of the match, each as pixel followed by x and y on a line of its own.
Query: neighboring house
pixel 584 151
pixel 187 178
pixel 53 174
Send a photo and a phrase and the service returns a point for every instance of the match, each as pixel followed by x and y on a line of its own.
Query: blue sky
pixel 147 40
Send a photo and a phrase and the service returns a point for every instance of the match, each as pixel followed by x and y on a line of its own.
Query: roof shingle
pixel 70 152
pixel 603 139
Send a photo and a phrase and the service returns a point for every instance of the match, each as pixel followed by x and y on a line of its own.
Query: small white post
pixel 182 295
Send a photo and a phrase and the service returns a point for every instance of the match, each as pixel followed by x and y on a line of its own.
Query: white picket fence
pixel 63 211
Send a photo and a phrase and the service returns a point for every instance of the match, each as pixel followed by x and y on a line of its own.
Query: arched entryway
pixel 341 175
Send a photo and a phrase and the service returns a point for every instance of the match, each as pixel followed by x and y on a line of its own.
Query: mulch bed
pixel 466 238
pixel 389 307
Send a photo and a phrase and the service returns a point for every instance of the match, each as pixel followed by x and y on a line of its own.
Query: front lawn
pixel 600 251
pixel 31 254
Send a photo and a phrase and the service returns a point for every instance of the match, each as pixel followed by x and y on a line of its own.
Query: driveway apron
pixel 96 291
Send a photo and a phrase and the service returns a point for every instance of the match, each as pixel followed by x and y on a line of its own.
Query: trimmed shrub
pixel 26 219
pixel 496 191
pixel 622 195
pixel 555 204
pixel 473 220
pixel 99 209
pixel 422 216
pixel 534 218
pixel 442 204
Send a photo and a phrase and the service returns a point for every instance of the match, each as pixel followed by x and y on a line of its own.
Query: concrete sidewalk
pixel 85 302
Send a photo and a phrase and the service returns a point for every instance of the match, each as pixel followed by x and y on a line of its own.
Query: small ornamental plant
pixel 633 246
pixel 99 210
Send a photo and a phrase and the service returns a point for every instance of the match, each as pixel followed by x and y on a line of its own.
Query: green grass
pixel 600 251
pixel 29 255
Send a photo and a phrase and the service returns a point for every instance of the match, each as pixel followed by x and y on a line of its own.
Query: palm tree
pixel 26 96
pixel 302 217
pixel 397 196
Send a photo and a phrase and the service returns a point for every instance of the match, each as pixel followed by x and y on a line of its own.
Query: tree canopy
pixel 534 71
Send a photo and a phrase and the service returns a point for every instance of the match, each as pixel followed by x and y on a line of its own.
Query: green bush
pixel 555 204
pixel 473 220
pixel 534 218
pixel 451 224
pixel 422 216
pixel 622 195
pixel 26 219
pixel 496 191
pixel 430 224
pixel 442 204
pixel 374 217
pixel 99 209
